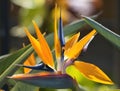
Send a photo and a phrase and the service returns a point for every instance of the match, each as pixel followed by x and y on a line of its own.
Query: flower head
pixel 66 54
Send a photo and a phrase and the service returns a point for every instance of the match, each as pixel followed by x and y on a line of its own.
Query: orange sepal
pixel 29 62
pixel 75 50
pixel 92 72
pixel 38 47
pixel 72 41
pixel 56 38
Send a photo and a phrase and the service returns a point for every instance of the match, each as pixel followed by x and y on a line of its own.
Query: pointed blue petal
pixel 61 37
pixel 40 66
pixel 60 32
pixel 36 67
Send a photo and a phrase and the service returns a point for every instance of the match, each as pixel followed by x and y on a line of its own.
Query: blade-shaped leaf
pixel 20 86
pixel 107 33
pixel 47 80
pixel 92 72
pixel 8 65
pixel 4 56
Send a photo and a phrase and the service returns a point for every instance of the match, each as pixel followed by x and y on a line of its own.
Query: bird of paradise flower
pixel 66 55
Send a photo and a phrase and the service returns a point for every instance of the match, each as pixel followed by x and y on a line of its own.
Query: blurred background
pixel 15 14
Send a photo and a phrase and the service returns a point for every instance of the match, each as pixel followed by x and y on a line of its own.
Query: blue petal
pixel 40 66
pixel 61 37
pixel 60 32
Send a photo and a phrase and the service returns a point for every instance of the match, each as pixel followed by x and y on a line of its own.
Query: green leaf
pixel 107 33
pixel 8 64
pixel 4 56
pixel 24 87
